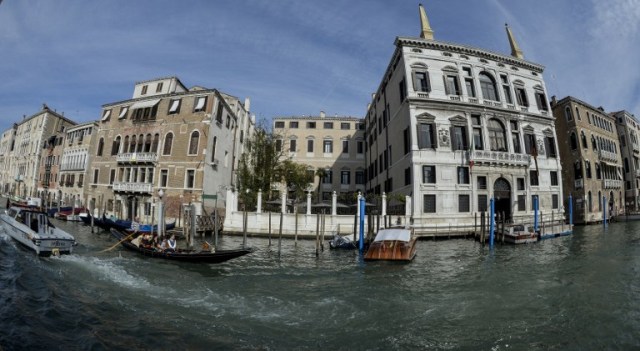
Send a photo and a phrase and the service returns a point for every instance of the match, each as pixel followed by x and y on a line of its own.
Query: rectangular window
pixel 159 87
pixel 345 125
pixel 293 124
pixel 190 180
pixel 174 106
pixel 96 172
pixel 278 145
pixel 122 115
pixel 359 177
pixel 529 143
pixel 515 139
pixel 106 115
pixel 477 139
pixel 112 176
pixel 459 138
pixel 327 146
pixel 360 146
pixel 407 176
pixel 533 177
pixel 426 136
pixel 328 177
pixel 219 112
pixel 345 146
pixel 310 145
pixel 200 103
pixel 463 203
pixel 471 91
pixel 421 81
pixel 328 125
pixel 521 96
pixel 482 203
pixel 554 201
pixel 311 125
pixel 429 203
pixel 279 124
pixel 293 145
pixel 451 86
pixel 520 183
pixel 345 177
pixel 406 141
pixel 550 144
pixel 164 178
pixel 144 90
pixel 429 174
pixel 463 175
pixel 554 178
pixel 482 182
pixel 522 203
pixel 541 101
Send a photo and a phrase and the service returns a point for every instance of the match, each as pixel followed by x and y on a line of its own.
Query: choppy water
pixel 573 293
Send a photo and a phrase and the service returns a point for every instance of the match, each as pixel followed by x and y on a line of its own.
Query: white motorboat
pixel 32 229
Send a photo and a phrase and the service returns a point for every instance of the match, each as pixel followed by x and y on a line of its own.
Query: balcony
pixel 137 157
pixel 578 183
pixel 607 156
pixel 500 158
pixel 612 184
pixel 133 187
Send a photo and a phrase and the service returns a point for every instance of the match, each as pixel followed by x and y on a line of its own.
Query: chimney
pixel 322 115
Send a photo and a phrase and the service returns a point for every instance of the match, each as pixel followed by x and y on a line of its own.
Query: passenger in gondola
pixel 171 244
pixel 162 246
pixel 146 241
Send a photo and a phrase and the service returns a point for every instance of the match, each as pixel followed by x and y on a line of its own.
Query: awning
pixel 123 112
pixel 145 104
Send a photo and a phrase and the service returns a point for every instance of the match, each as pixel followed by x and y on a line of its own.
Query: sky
pixel 295 57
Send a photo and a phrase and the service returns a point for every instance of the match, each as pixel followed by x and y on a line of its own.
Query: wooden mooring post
pixel 269 228
pixel 323 224
pixel 280 235
pixel 355 227
pixel 483 227
pixel 295 212
pixel 317 234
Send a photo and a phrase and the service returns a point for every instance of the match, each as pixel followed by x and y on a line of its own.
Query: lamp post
pixel 160 213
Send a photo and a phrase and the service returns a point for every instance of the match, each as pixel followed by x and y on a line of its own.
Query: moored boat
pixel 195 256
pixel 342 242
pixel 394 244
pixel 32 229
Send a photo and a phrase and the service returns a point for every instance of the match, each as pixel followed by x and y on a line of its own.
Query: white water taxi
pixel 32 229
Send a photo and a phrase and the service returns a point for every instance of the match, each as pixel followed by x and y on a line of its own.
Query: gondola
pixel 180 255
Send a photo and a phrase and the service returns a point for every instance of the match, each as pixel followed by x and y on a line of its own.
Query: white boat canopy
pixel 393 234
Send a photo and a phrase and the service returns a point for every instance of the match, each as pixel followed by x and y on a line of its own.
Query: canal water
pixel 579 292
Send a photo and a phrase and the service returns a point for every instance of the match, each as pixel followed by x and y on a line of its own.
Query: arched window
pixel 599 201
pixel 567 113
pixel 598 176
pixel 147 143
pixel 497 136
pixel 583 138
pixel 193 142
pixel 140 143
pixel 577 170
pixel 168 141
pixel 125 146
pixel 594 145
pixel 132 147
pixel 578 114
pixel 100 147
pixel 156 140
pixel 574 141
pixel 488 87
pixel 590 202
pixel 115 148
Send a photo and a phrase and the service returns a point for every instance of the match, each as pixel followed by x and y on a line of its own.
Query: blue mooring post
pixel 491 224
pixel 570 210
pixel 604 211
pixel 361 245
pixel 535 213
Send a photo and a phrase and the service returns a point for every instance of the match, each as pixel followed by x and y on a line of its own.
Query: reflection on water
pixel 576 292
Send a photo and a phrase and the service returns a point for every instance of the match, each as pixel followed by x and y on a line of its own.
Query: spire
pixel 515 49
pixel 426 32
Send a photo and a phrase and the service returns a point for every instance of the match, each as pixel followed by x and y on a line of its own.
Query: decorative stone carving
pixel 443 136
pixel 540 146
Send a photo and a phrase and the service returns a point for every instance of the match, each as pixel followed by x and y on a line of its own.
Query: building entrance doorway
pixel 502 198
pixel 132 208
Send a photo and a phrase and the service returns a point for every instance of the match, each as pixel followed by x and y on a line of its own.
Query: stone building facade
pixel 73 163
pixel 628 132
pixel 156 140
pixel 7 143
pixel 591 159
pixel 28 146
pixel 333 144
pixel 452 126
